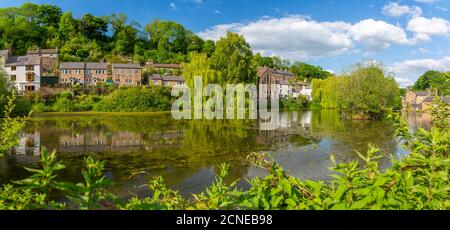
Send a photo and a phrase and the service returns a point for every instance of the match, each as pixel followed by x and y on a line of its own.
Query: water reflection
pixel 187 153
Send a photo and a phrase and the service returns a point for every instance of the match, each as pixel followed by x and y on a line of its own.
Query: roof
pixel 72 65
pixel 431 99
pixel 126 66
pixel 166 78
pixel 96 65
pixel 23 60
pixel 425 93
pixel 168 66
pixel 43 51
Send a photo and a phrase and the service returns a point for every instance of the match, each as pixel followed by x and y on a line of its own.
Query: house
pixel 49 62
pixel 302 89
pixel 157 79
pixel 428 102
pixel 280 78
pixel 414 100
pixel 72 73
pixel 96 73
pixel 127 74
pixel 25 72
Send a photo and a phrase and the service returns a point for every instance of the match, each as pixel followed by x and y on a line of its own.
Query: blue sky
pixel 408 36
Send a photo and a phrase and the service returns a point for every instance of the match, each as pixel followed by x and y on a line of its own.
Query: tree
pixel 81 49
pixel 93 28
pixel 49 15
pixel 167 36
pixel 199 65
pixel 208 47
pixel 305 71
pixel 233 57
pixel 434 80
pixel 68 28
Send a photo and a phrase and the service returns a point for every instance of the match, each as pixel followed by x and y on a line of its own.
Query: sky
pixel 408 36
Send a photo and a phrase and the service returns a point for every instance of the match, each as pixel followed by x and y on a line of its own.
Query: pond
pixel 187 153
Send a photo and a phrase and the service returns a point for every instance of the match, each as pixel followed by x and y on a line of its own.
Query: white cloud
pixel 376 35
pixel 442 8
pixel 407 72
pixel 427 1
pixel 217 12
pixel 296 37
pixel 393 9
pixel 427 27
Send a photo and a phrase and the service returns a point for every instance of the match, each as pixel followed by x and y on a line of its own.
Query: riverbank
pixel 93 113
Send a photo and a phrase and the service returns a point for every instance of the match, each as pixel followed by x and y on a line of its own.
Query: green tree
pixel 434 80
pixel 81 49
pixel 93 28
pixel 305 71
pixel 233 58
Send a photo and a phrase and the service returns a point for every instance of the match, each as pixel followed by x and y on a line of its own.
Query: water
pixel 187 153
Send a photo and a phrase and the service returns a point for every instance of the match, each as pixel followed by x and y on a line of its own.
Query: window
pixel 30 76
pixel 136 71
pixel 13 68
pixel 155 82
pixel 117 80
pixel 29 68
pixel 88 71
pixel 29 88
pixel 166 83
pixel 78 71
pixel 13 77
pixel 128 81
pixel 123 71
pixel 130 71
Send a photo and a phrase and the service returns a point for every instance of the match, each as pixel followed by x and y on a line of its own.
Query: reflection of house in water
pixel 72 143
pixel 29 143
pixel 288 123
pixel 125 139
pixel 96 142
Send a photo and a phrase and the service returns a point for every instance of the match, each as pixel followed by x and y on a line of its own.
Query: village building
pixel 127 74
pixel 96 73
pixel 25 72
pixel 171 81
pixel 72 73
pixel 421 101
pixel 49 62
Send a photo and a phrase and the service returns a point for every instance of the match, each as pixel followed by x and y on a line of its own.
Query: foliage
pixel 10 127
pixel 363 93
pixel 233 57
pixel 304 71
pixel 64 103
pixel 291 103
pixel 419 181
pixel 136 99
pixel 434 80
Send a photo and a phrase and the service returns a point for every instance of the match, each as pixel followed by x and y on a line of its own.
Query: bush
pixel 136 99
pixel 64 103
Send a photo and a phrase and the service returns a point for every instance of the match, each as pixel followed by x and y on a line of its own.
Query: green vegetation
pixel 92 38
pixel 291 103
pixel 10 126
pixel 419 181
pixel 136 99
pixel 434 80
pixel 363 93
pixel 308 72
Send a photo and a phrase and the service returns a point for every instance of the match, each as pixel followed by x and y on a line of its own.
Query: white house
pixel 284 89
pixel 25 72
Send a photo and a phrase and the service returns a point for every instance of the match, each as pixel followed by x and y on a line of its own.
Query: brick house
pixel 72 73
pixel 280 78
pixel 127 74
pixel 96 73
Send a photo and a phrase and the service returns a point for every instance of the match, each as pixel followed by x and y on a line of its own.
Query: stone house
pixel 127 74
pixel 72 73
